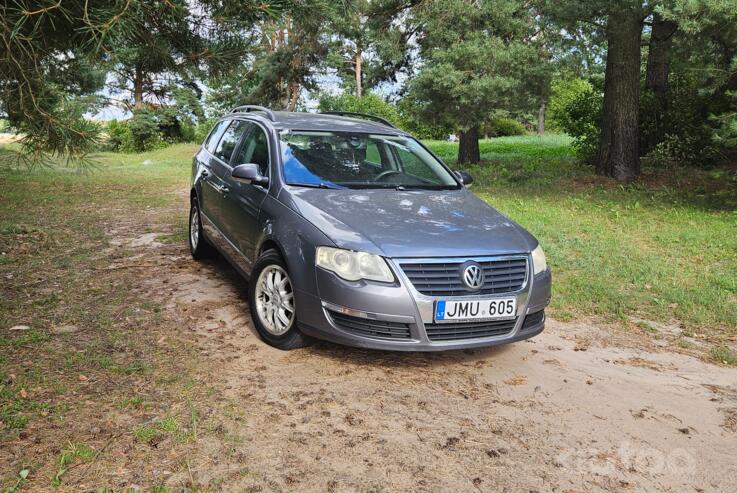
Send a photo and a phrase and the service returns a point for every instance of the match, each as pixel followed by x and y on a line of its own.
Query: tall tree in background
pixel 704 52
pixel 474 58
pixel 354 38
pixel 286 54
pixel 622 22
pixel 156 46
pixel 369 44
pixel 619 152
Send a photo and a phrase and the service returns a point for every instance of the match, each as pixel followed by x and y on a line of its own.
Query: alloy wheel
pixel 275 300
pixel 194 228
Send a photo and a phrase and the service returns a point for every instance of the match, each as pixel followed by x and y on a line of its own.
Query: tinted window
pixel 214 137
pixel 229 140
pixel 255 150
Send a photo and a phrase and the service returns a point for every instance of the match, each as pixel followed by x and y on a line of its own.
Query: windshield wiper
pixel 312 185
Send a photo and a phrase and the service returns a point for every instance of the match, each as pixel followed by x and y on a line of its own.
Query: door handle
pixel 205 173
pixel 223 190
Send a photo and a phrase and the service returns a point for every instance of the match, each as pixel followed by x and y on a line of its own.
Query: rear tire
pixel 272 304
pixel 198 246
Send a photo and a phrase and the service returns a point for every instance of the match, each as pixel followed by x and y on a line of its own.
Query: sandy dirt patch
pixel 575 409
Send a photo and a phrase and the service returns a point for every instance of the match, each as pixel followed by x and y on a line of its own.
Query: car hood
pixel 410 223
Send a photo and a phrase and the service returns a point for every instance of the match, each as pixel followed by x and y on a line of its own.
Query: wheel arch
pixel 269 243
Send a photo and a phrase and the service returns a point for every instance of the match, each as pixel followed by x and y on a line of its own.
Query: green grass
pixel 663 248
pixel 71 453
pixel 724 355
pixel 145 434
pixel 135 402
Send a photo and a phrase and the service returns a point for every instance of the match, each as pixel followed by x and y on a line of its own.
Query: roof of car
pixel 293 120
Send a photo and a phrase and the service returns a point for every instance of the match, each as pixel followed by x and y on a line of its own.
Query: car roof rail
pixel 361 115
pixel 247 108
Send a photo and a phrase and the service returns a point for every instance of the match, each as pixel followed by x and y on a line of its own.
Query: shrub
pixel 369 103
pixel 120 137
pixel 420 126
pixel 681 134
pixel 575 108
pixel 500 126
pixel 202 130
pixel 373 104
pixel 144 128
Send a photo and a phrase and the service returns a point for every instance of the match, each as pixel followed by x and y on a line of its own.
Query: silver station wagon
pixel 350 230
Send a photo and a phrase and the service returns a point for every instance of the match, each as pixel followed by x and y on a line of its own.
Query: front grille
pixel 371 328
pixel 468 330
pixel 533 319
pixel 445 278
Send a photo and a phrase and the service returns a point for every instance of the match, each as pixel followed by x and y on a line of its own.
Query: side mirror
pixel 465 178
pixel 249 174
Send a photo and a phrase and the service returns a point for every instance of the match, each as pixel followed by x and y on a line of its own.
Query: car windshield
pixel 360 160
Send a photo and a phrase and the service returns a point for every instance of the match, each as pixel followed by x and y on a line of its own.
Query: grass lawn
pixel 663 249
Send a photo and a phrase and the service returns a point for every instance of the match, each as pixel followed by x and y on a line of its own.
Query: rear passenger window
pixel 229 140
pixel 214 137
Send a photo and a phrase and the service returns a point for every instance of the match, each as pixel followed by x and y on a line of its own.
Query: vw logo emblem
pixel 473 276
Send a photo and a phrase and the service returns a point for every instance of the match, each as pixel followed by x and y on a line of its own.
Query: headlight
pixel 353 266
pixel 539 264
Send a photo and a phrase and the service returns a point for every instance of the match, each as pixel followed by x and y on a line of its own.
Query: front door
pixel 244 200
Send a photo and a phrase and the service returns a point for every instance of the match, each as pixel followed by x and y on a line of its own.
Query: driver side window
pixel 255 149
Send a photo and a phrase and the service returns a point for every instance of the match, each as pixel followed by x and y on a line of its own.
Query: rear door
pixel 209 197
pixel 219 180
pixel 244 201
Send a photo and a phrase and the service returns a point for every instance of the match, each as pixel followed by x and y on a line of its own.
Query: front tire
pixel 198 246
pixel 272 304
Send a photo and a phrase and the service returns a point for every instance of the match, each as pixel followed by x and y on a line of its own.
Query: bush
pixel 682 133
pixel 151 128
pixel 575 108
pixel 119 136
pixel 500 126
pixel 369 103
pixel 145 130
pixel 372 104
pixel 420 126
pixel 202 130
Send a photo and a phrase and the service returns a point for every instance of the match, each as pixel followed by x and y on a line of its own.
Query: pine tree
pixel 474 61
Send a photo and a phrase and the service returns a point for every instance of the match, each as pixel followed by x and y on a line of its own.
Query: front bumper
pixel 342 310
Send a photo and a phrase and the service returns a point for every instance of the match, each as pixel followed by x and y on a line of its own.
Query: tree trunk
pixel 541 117
pixel 658 55
pixel 293 96
pixel 138 87
pixel 619 155
pixel 468 147
pixel 658 70
pixel 359 78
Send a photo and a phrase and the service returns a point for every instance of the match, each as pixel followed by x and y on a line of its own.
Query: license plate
pixel 490 309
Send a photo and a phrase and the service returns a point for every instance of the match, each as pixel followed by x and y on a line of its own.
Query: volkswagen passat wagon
pixel 350 230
